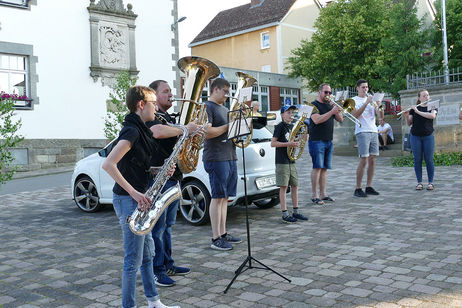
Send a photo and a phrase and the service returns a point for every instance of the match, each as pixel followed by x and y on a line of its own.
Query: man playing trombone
pixel 366 137
pixel 320 143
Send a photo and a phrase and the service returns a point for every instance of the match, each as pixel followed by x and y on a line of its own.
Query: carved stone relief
pixel 112 31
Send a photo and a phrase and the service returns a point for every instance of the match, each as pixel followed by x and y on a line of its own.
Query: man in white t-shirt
pixel 385 134
pixel 366 137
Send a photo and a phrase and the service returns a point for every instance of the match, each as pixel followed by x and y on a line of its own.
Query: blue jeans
pixel 423 146
pixel 162 235
pixel 138 253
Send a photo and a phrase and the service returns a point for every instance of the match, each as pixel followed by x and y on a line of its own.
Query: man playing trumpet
pixel 366 137
pixel 320 142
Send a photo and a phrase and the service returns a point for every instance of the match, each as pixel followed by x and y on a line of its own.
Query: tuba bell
pixel 198 70
pixel 244 81
pixel 299 133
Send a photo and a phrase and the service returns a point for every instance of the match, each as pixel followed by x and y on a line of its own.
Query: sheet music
pixel 245 95
pixel 378 97
pixel 339 95
pixel 433 105
pixel 305 109
pixel 236 129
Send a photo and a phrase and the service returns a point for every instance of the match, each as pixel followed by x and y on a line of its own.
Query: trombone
pixel 347 106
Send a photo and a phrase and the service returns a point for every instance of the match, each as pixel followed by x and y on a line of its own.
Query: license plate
pixel 266 181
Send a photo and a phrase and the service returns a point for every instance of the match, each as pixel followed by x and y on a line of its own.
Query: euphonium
pixel 198 71
pixel 298 134
pixel 244 81
pixel 142 222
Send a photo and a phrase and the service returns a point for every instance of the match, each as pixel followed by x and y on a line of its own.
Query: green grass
pixel 440 159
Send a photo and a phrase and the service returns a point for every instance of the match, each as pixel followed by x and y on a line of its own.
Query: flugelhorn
pixel 347 106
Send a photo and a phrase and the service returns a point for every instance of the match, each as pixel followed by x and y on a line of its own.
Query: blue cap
pixel 287 107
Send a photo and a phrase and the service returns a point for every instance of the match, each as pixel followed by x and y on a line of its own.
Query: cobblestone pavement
pixel 400 249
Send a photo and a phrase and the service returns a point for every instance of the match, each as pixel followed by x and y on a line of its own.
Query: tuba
pixel 299 133
pixel 198 71
pixel 244 81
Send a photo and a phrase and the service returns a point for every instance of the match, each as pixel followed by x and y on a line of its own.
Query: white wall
pixel 72 105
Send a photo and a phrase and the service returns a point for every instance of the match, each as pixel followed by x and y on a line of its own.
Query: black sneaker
pixel 359 193
pixel 221 244
pixel 371 191
pixel 385 147
pixel 299 216
pixel 232 239
pixel 289 219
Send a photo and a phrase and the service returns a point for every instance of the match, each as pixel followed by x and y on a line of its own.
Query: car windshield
pixel 261 135
pixel 104 152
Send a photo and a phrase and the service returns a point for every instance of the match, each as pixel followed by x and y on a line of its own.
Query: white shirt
pixel 367 118
pixel 381 128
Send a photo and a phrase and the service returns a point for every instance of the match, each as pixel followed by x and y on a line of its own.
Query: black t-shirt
pixel 282 133
pixel 165 146
pixel 323 131
pixel 421 126
pixel 134 164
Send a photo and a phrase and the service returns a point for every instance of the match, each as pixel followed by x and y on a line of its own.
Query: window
pixel 266 68
pixel 288 96
pixel 13 76
pixel 17 3
pixel 18 72
pixel 264 40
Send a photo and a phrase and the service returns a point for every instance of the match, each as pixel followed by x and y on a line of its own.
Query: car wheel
pixel 194 206
pixel 86 196
pixel 268 203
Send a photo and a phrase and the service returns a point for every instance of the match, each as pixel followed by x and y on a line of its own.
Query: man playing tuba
pixel 320 143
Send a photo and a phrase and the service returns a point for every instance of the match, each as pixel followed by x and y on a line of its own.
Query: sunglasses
pixel 327 92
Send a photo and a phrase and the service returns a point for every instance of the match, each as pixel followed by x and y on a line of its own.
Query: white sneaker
pixel 158 304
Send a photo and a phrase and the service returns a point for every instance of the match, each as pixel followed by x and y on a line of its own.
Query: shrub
pixel 117 109
pixel 9 136
pixel 440 159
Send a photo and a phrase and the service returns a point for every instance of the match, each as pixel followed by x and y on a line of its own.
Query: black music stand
pixel 238 130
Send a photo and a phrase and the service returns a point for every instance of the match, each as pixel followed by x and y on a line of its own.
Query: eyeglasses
pixel 327 92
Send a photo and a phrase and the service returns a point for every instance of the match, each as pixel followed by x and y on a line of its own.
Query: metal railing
pixel 431 79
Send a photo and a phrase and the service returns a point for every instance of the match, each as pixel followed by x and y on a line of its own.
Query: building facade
pixel 65 55
pixel 257 36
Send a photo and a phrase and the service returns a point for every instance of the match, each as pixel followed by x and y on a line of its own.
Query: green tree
pixel 453 33
pixel 9 136
pixel 401 48
pixel 117 108
pixel 361 39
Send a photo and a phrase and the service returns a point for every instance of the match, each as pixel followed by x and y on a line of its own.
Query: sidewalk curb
pixel 40 172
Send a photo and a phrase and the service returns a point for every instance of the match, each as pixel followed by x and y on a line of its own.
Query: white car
pixel 92 186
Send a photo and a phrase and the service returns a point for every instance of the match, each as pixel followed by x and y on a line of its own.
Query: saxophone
pixel 142 222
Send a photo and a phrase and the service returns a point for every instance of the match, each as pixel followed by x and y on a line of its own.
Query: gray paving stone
pixel 400 248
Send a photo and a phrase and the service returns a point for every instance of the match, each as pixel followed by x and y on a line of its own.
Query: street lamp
pixel 445 42
pixel 173 26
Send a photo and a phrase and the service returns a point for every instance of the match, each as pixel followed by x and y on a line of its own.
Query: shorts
pixel 222 177
pixel 286 175
pixel 321 154
pixel 368 144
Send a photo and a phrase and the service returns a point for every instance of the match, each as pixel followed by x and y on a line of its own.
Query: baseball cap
pixel 287 107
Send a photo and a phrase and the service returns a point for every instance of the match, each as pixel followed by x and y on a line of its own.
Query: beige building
pixel 257 36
